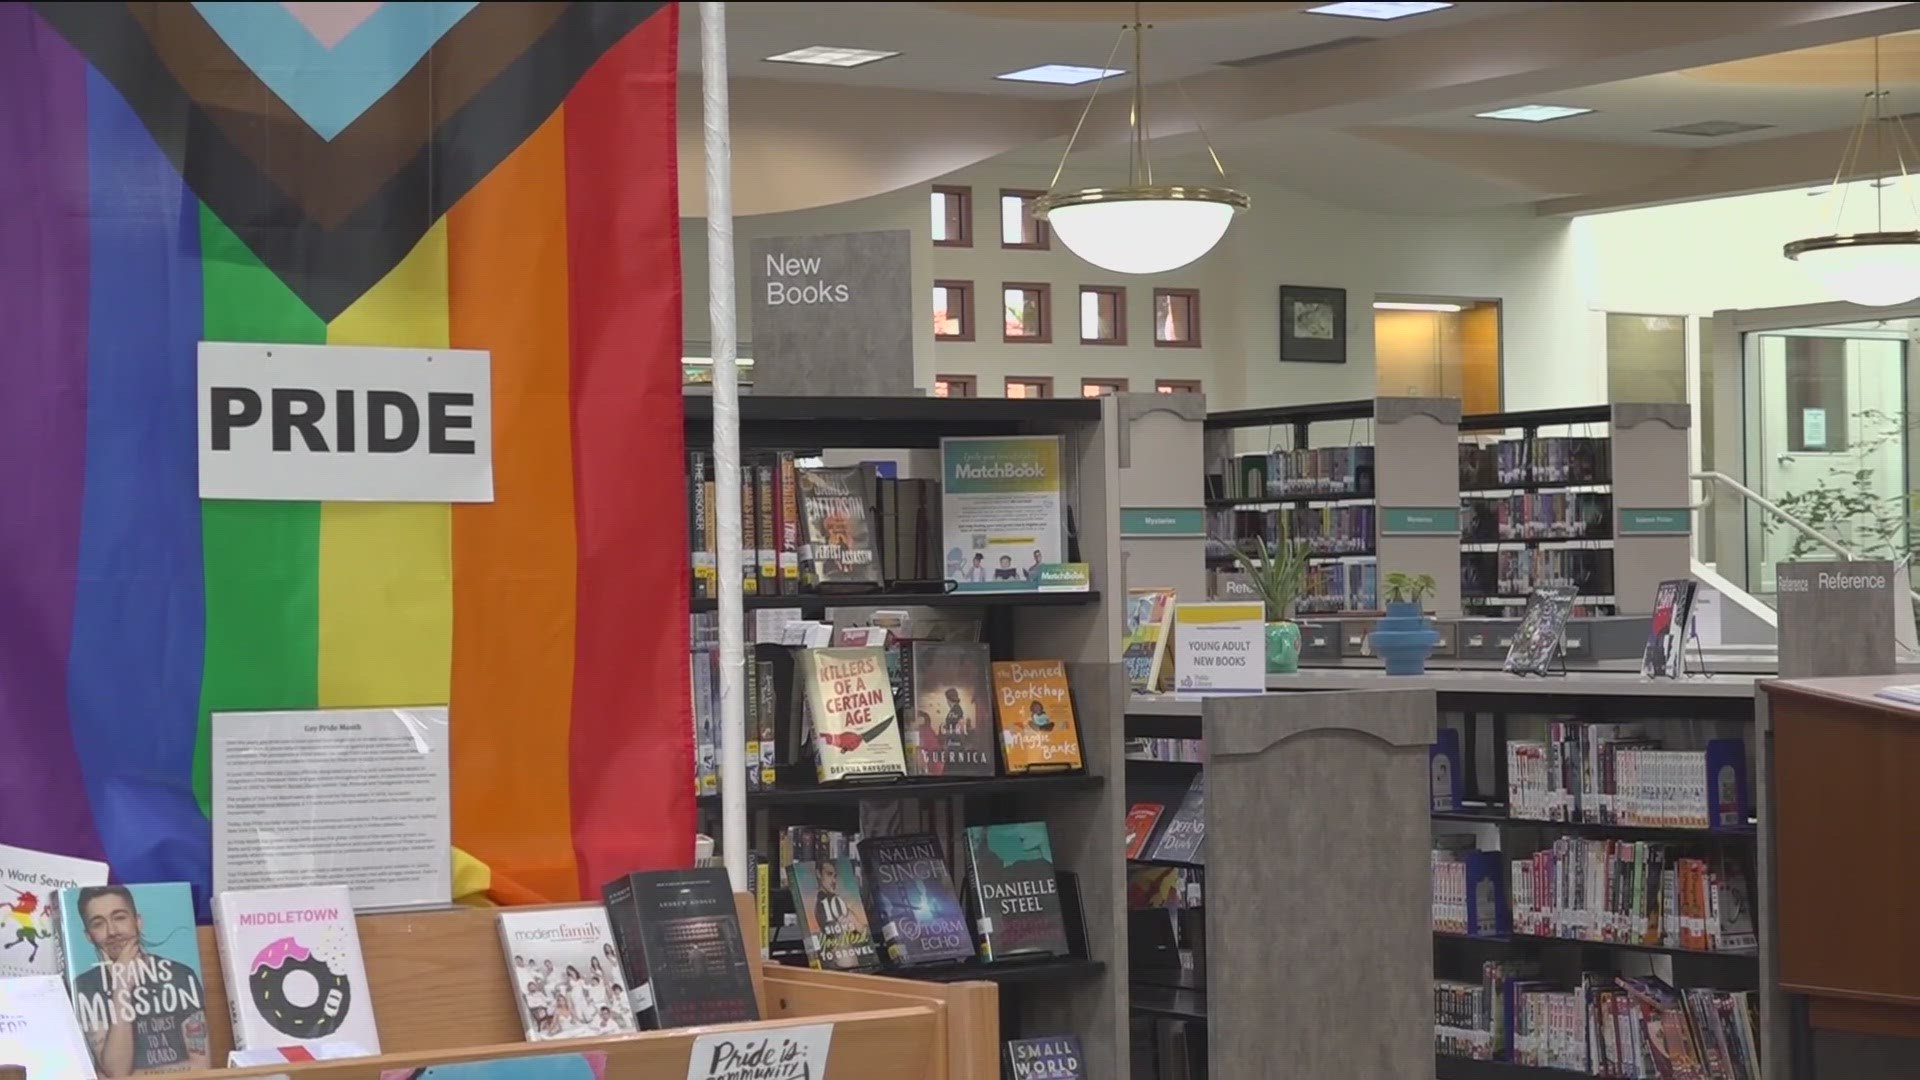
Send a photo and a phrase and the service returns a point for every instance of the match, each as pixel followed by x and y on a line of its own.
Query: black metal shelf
pixel 1168 1001
pixel 1289 414
pixel 1004 972
pixel 1499 816
pixel 1529 419
pixel 1287 500
pixel 1511 941
pixel 905 599
pixel 1539 541
pixel 816 794
pixel 1448 1067
pixel 853 422
pixel 1177 863
pixel 1229 560
pixel 1525 486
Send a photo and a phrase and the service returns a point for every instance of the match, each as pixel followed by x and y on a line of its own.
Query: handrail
pixel 1770 507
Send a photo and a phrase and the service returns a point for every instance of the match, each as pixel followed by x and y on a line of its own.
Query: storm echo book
pixel 678 934
pixel 295 974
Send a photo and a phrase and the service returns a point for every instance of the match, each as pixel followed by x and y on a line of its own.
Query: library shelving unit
pixel 1084 994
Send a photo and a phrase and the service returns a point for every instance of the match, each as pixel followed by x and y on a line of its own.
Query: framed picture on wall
pixel 1313 324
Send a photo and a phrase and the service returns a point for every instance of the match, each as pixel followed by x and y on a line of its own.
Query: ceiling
pixel 1374 115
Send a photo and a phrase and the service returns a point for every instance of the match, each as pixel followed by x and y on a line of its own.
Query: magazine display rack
pixel 442 994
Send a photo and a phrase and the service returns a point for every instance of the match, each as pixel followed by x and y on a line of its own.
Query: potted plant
pixel 1404 639
pixel 1278 576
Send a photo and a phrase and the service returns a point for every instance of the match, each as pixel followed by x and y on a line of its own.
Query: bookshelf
pixel 1084 994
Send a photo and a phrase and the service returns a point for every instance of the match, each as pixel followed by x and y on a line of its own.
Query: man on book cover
pixel 141 1011
pixel 830 909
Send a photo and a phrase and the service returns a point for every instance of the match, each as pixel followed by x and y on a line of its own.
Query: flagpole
pixel 726 439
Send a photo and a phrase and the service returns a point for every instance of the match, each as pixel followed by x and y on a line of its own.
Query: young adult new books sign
pixel 1003 515
pixel 1220 648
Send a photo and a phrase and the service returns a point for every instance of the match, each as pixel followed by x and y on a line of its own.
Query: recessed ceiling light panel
pixel 1712 129
pixel 1534 114
pixel 1060 74
pixel 1380 12
pixel 830 56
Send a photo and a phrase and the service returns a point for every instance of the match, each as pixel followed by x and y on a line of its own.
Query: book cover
pixel 678 935
pixel 1035 712
pixel 1014 891
pixel 297 954
pixel 27 882
pixel 787 509
pixel 765 538
pixel 749 568
pixel 37 1029
pixel 1056 1057
pixel 133 970
pixel 850 703
pixel 826 895
pixel 949 725
pixel 837 541
pixel 567 980
pixel 1444 777
pixel 1726 765
pixel 1667 632
pixel 1183 839
pixel 1141 818
pixel 1144 647
pixel 919 912
pixel 1543 630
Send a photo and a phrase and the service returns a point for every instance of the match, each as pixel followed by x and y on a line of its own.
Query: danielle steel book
pixel 1014 892
pixel 921 920
pixel 948 712
pixel 296 953
pixel 27 883
pixel 567 979
pixel 677 931
pixel 132 960
pixel 37 1029
pixel 856 734
pixel 837 552
pixel 838 934
pixel 1035 711
pixel 1056 1057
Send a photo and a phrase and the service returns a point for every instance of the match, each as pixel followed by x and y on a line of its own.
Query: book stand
pixel 441 994
pixel 1699 650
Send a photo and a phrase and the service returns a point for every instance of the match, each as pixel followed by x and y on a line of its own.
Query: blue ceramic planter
pixel 1403 640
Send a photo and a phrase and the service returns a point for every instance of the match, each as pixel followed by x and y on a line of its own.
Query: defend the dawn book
pixel 837 933
pixel 294 971
pixel 850 702
pixel 133 961
pixel 1056 1057
pixel 949 713
pixel 1014 892
pixel 1035 711
pixel 567 980
pixel 921 921
pixel 678 933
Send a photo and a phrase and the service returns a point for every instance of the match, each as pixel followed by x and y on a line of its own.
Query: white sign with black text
pixel 788 1053
pixel 1219 648
pixel 345 422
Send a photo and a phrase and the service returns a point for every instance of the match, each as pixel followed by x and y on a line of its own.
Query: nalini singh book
pixel 921 920
pixel 133 970
pixel 567 980
pixel 948 708
pixel 294 971
pixel 1014 891
pixel 856 734
pixel 837 932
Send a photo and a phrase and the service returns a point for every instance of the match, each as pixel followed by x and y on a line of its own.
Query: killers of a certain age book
pixel 133 970
pixel 850 698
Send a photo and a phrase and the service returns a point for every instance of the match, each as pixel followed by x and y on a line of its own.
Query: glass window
pixel 1027 317
pixel 953 310
pixel 1816 385
pixel 1029 386
pixel 1102 387
pixel 1176 317
pixel 955 386
pixel 953 217
pixel 1018 227
pixel 1103 315
pixel 1646 358
pixel 1176 386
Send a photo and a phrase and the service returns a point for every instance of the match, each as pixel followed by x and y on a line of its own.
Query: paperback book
pixel 826 894
pixel 1443 770
pixel 567 981
pixel 1665 656
pixel 132 960
pixel 1035 710
pixel 37 1029
pixel 1014 891
pixel 837 552
pixel 1183 839
pixel 856 734
pixel 1056 1057
pixel 949 707
pixel 1141 818
pixel 1542 633
pixel 921 921
pixel 27 883
pixel 297 954
pixel 678 934
pixel 1149 625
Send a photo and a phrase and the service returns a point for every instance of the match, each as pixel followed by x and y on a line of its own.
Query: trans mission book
pixel 677 932
pixel 296 953
pixel 948 708
pixel 1014 892
pixel 1037 732
pixel 850 702
pixel 567 981
pixel 921 921
pixel 133 970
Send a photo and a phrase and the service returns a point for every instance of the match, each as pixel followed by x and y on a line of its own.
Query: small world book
pixel 132 959
pixel 678 934
pixel 837 551
pixel 856 734
pixel 27 882
pixel 1014 891
pixel 835 928
pixel 921 920
pixel 38 1031
pixel 296 953
pixel 1035 712
pixel 948 711
pixel 1054 1057
pixel 567 980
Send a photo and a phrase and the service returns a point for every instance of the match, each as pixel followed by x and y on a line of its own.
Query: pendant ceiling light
pixel 1143 227
pixel 1880 267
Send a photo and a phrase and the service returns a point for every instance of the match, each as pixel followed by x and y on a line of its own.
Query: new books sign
pixel 833 313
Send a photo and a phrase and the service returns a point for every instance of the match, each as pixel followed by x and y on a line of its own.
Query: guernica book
pixel 37 1029
pixel 1035 711
pixel 947 708
pixel 826 896
pixel 837 552
pixel 1014 891
pixel 567 979
pixel 678 934
pixel 27 883
pixel 856 734
pixel 921 921
pixel 297 954
pixel 132 960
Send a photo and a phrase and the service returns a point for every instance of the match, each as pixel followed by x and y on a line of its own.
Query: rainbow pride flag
pixel 494 176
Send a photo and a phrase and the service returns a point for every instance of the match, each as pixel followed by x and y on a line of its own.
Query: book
pixel 678 937
pixel 1141 818
pixel 297 953
pixel 837 552
pixel 1056 1057
pixel 1035 713
pixel 1444 777
pixel 1143 649
pixel 1014 891
pixel 856 734
pixel 948 711
pixel 27 882
pixel 920 917
pixel 1542 632
pixel 826 896
pixel 1183 838
pixel 567 979
pixel 1667 633
pixel 132 960
pixel 38 1031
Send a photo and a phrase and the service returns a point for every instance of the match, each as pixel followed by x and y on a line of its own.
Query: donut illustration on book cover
pixel 297 953
pixel 326 993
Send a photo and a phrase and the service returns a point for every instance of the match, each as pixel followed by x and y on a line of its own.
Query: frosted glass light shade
pixel 1869 269
pixel 1147 230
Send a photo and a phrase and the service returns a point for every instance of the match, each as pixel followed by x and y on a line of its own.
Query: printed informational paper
pixel 1003 514
pixel 354 797
pixel 1220 648
pixel 788 1053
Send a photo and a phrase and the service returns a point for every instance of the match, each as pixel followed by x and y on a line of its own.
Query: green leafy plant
pixel 1880 523
pixel 1405 588
pixel 1277 574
